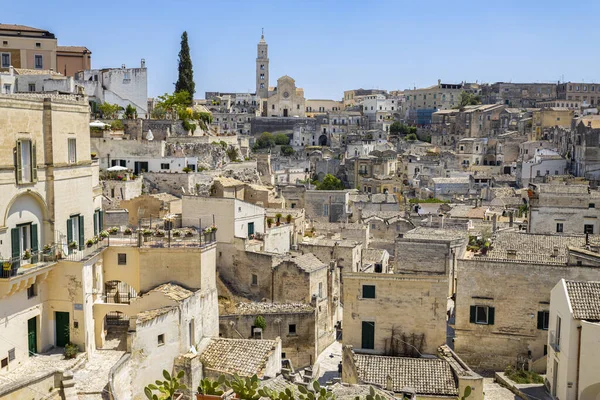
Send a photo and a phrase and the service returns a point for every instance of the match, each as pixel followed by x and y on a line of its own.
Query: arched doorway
pixel 323 140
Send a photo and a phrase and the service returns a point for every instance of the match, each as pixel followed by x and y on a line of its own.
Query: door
pixel 32 335
pixel 368 335
pixel 554 378
pixel 63 333
pixel 250 228
pixel 285 112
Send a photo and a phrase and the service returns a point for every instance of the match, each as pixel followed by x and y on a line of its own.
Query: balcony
pixel 31 261
pixel 554 341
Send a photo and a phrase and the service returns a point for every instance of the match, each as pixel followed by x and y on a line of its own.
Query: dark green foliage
pixel 117 125
pixel 71 350
pixel 167 388
pixel 232 153
pixel 109 111
pixel 330 182
pixel 281 139
pixel 411 137
pixel 185 82
pixel 210 387
pixel 468 99
pixel 521 376
pixel 130 112
pixel 287 150
pixel 265 141
pixel 260 322
pixel 398 128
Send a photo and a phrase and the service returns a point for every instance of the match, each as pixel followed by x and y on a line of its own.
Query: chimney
pixel 11 70
pixel 143 63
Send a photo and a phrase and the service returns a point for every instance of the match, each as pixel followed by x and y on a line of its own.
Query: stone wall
pixel 299 347
pixel 403 306
pixel 178 184
pixel 278 124
pixel 116 217
pixel 517 291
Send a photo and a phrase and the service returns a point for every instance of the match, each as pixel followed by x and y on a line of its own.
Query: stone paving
pixel 91 382
pixel 41 364
pixel 494 391
pixel 328 362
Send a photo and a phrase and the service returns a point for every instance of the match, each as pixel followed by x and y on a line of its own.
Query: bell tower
pixel 262 68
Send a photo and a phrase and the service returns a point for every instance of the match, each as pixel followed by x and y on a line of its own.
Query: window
pixel 4 362
pixel 368 291
pixel 558 321
pixel 559 227
pixel 262 66
pixel 32 87
pixel 122 259
pixel 26 167
pixel 588 228
pixel 31 291
pixel 164 166
pixel 483 315
pixel 591 205
pixel 262 77
pixel 161 339
pixel 11 354
pixel 38 45
pixel 5 60
pixel 542 320
pixel 291 329
pixel 254 280
pixel 325 210
pixel 39 62
pixel 368 335
pixel 273 107
pixel 72 151
pixel 320 290
pixel 5 42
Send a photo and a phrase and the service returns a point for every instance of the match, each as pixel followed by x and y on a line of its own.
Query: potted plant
pixel 159 233
pixel 114 230
pixel 147 232
pixel 213 228
pixel 89 243
pixel 176 233
pixel 47 249
pixel 71 351
pixel 6 265
pixel 189 233
pixel 278 216
pixel 26 255
pixel 128 231
pixel 209 389
pixel 73 244
pixel 95 239
pixel 103 235
pixel 93 155
pixel 269 222
pixel 288 218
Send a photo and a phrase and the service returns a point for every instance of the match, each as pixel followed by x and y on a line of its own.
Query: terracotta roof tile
pixel 244 357
pixel 585 299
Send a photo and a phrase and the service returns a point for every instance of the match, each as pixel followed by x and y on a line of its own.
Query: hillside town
pixel 436 243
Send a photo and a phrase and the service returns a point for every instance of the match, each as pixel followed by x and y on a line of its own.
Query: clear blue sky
pixel 331 46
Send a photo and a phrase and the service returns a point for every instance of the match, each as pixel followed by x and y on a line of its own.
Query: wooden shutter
pixel 81 233
pixel 34 243
pixel 368 335
pixel 69 231
pixel 101 220
pixel 33 163
pixel 96 217
pixel 473 315
pixel 19 163
pixel 15 246
pixel 491 312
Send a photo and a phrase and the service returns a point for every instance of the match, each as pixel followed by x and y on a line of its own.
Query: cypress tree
pixel 186 73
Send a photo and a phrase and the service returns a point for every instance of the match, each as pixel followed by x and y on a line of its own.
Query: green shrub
pixel 117 125
pixel 521 376
pixel 71 351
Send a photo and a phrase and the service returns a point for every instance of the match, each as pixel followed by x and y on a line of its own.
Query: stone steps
pixel 68 386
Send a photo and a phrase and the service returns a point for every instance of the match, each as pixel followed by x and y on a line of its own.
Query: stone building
pixel 520 95
pixel 499 324
pixel 326 205
pixel 346 253
pixel 573 351
pixel 586 93
pixel 294 323
pixel 563 209
pixel 286 100
pixel 27 47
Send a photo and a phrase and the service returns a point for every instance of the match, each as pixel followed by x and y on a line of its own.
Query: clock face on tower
pixel 286 95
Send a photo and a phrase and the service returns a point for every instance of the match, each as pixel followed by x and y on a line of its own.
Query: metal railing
pixel 10 266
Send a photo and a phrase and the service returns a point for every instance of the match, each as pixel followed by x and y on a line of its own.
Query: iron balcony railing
pixel 14 266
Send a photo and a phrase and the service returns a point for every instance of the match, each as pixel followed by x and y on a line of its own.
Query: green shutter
pixel 96 216
pixel 540 324
pixel 34 243
pixel 69 233
pixel 18 163
pixel 15 246
pixel 33 163
pixel 81 233
pixel 368 335
pixel 491 312
pixel 473 315
pixel 101 220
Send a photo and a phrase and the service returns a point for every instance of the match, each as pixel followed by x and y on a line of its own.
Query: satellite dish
pixel 149 135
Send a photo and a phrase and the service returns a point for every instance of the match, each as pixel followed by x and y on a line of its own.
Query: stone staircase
pixel 68 386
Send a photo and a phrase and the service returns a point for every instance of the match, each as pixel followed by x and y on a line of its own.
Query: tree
pixel 330 182
pixel 468 99
pixel 287 150
pixel 411 136
pixel 130 112
pixel 281 139
pixel 265 141
pixel 109 111
pixel 185 82
pixel 173 104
